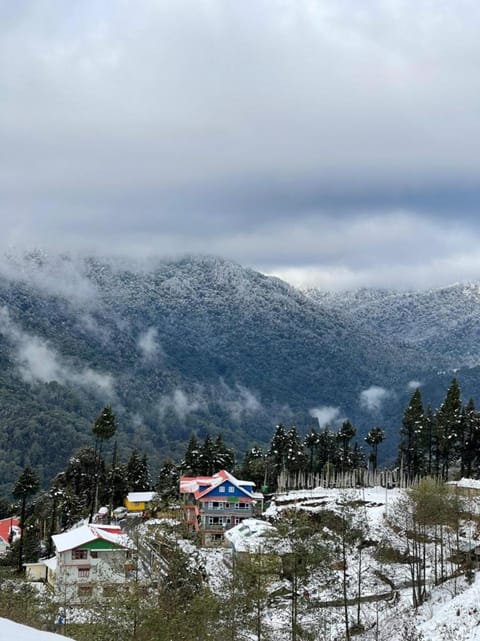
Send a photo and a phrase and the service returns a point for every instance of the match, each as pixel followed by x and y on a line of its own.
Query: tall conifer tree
pixel 191 460
pixel 26 486
pixel 409 448
pixel 448 421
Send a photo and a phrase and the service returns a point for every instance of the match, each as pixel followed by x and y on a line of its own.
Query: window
pixel 83 573
pixel 94 554
pixel 79 554
pixel 110 590
pixel 231 489
pixel 84 590
pixel 130 570
pixel 221 489
pixel 214 520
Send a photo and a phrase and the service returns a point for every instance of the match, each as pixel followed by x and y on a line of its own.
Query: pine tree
pixel 409 452
pixel 352 534
pixel 250 595
pixel 103 429
pixel 207 459
pixel 224 458
pixel 278 449
pixel 56 495
pixel 469 444
pixel 26 486
pixel 116 481
pixel 428 439
pixel 374 438
pixel 254 467
pixel 168 483
pixel 76 480
pixel 295 458
pixel 357 457
pixel 138 478
pixel 190 464
pixel 311 443
pixel 345 435
pixel 328 450
pixel 448 421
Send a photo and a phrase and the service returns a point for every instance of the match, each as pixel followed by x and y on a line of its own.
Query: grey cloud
pixel 373 397
pixel 54 273
pixel 238 401
pixel 149 345
pixel 169 127
pixel 326 415
pixel 413 385
pixel 38 361
pixel 181 403
pixel 394 249
pixel 137 420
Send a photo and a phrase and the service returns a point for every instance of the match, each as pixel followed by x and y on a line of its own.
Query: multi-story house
pixel 214 504
pixel 90 561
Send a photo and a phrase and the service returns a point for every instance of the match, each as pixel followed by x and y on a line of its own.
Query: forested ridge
pixel 198 344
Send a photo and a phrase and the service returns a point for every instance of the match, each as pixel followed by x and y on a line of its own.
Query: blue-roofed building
pixel 214 504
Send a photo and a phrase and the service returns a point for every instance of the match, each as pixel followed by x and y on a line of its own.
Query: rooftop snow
pixel 250 535
pixel 87 533
pixel 141 497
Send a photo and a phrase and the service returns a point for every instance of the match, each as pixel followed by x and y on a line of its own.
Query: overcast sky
pixel 329 142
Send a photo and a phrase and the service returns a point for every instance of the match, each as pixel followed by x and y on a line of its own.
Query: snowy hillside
pixel 451 611
pixel 374 586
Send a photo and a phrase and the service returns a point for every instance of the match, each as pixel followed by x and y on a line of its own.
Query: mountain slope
pixel 194 344
pixel 445 322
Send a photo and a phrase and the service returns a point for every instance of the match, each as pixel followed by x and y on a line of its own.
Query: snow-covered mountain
pixel 203 344
pixel 199 343
pixel 444 322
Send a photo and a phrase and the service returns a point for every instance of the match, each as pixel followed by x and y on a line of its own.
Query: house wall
pixel 35 571
pixel 134 506
pixel 228 490
pixel 88 575
pixel 221 509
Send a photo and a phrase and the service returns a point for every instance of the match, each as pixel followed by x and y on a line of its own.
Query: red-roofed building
pixel 7 526
pixel 213 504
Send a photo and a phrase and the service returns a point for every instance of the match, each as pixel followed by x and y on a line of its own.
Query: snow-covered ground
pixel 452 612
pixel 10 631
pixel 452 619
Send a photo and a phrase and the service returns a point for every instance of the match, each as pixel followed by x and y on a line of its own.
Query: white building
pixel 90 560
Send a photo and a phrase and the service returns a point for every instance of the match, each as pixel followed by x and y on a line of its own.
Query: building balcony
pixel 227 511
pixel 220 526
pixel 217 527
